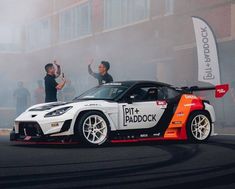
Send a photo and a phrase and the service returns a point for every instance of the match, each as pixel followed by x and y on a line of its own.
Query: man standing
pixel 39 93
pixel 103 76
pixel 51 86
pixel 22 98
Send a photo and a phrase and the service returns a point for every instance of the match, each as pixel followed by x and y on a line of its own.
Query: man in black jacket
pixel 51 86
pixel 103 76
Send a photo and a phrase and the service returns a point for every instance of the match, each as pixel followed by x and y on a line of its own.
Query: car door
pixel 140 108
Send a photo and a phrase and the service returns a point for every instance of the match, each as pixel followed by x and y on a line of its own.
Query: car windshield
pixel 103 92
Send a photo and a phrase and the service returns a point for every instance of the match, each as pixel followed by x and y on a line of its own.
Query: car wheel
pixel 199 126
pixel 93 128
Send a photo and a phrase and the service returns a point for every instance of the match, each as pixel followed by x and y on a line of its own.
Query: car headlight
pixel 58 112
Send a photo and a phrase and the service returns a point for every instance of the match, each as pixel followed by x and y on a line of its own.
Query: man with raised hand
pixel 51 86
pixel 103 76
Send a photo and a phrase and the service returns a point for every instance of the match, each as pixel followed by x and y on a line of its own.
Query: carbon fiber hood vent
pixel 49 106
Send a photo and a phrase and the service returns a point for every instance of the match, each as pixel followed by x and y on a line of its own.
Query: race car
pixel 129 111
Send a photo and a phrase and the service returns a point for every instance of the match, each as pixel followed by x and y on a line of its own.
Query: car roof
pixel 130 83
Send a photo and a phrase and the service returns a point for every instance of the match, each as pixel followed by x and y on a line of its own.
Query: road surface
pixel 143 165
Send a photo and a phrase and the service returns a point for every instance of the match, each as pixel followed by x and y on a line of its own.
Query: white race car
pixel 127 111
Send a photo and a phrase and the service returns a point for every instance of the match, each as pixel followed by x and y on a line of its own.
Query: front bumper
pixel 32 131
pixel 17 137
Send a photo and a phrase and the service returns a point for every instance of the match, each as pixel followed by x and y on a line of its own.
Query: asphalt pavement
pixel 142 165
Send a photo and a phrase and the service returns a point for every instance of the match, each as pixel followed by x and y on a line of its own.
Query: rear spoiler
pixel 220 90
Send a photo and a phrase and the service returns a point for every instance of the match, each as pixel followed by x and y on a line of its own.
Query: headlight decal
pixel 58 112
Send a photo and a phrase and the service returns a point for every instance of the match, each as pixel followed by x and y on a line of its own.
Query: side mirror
pixel 130 99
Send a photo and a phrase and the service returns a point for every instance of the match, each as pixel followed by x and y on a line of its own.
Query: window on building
pixel 169 7
pixel 124 12
pixel 11 39
pixel 39 34
pixel 75 22
pixel 66 23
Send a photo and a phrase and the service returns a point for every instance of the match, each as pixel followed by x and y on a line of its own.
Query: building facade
pixel 142 39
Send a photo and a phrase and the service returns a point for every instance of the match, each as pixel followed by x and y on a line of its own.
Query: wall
pixel 160 48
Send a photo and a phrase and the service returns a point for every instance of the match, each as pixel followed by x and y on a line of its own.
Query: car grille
pixel 30 129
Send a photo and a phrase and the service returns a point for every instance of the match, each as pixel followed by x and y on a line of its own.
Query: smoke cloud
pixel 160 47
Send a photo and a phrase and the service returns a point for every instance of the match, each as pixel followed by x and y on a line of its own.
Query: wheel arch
pixel 207 113
pixel 197 111
pixel 83 112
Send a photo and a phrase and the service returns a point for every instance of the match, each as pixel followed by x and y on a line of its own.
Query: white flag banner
pixel 208 64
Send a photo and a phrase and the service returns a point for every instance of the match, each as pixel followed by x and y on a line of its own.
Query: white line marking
pixel 226 134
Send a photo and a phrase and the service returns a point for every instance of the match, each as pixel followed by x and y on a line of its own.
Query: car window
pixel 142 94
pixel 167 93
pixel 107 92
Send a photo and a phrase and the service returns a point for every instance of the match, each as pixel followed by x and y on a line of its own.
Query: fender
pixel 111 116
pixel 177 128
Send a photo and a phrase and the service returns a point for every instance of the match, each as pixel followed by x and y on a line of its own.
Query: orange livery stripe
pixel 177 127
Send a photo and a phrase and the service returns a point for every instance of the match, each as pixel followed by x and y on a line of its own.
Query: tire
pixel 93 128
pixel 199 126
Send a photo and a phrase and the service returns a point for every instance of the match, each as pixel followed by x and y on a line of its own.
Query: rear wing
pixel 220 90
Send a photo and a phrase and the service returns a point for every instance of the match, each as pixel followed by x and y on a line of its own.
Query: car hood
pixel 47 106
pixel 56 105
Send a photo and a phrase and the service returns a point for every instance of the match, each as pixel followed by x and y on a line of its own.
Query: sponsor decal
pixel 221 90
pixel 162 104
pixel 92 105
pixel 177 122
pixel 133 115
pixel 144 135
pixel 156 134
pixel 113 84
pixel 190 97
pixel 179 114
pixel 191 104
pixel 54 124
